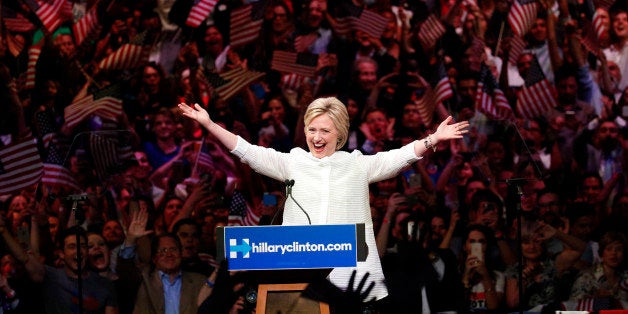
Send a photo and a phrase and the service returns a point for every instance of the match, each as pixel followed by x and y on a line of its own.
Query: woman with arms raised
pixel 331 185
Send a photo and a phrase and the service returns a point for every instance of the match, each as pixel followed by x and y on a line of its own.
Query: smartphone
pixel 269 199
pixel 476 250
pixel 411 226
pixel 415 180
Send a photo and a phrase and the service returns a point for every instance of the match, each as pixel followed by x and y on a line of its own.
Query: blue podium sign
pixel 290 247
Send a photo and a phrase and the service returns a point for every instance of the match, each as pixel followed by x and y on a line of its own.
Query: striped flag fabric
pixel 15 21
pixel 84 26
pixel 431 30
pixel 358 19
pixel 229 83
pixel 441 85
pixel 15 44
pixel 130 55
pixel 102 103
pixel 199 12
pixel 20 166
pixel 303 64
pixel 52 13
pixel 303 42
pixel 240 213
pixel 425 103
pixel 246 23
pixel 604 4
pixel 489 99
pixel 598 24
pixel 590 39
pixel 537 96
pixel 517 46
pixel 292 81
pixel 31 67
pixel 522 15
pixel 108 151
pixel 55 172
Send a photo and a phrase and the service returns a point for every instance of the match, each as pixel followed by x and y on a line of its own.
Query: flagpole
pixel 198 154
pixel 499 38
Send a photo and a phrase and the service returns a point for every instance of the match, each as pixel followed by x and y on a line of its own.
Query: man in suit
pixel 163 286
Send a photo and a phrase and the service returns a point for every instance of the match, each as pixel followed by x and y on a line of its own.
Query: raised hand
pixel 197 113
pixel 137 227
pixel 447 130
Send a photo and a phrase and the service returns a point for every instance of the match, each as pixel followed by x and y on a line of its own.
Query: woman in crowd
pixel 484 284
pixel 332 184
pixel 607 280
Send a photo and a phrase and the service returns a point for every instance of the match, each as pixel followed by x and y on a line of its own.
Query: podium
pixel 283 260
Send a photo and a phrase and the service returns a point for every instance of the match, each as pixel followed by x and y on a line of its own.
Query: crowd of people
pixel 526 211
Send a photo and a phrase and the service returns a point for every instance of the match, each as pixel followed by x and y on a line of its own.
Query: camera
pixel 250 299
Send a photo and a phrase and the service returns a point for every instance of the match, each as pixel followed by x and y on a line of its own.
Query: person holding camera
pixel 331 185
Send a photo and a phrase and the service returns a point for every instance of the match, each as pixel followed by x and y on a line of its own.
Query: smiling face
pixel 322 136
pixel 70 248
pixel 97 252
pixel 620 25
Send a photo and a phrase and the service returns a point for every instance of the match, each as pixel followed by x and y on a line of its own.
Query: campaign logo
pixel 244 248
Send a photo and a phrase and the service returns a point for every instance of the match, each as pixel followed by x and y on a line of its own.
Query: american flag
pixel 358 19
pixel 291 81
pixel 108 151
pixel 590 39
pixel 55 172
pixel 199 12
pixel 425 102
pixel 44 123
pixel 15 44
pixel 130 55
pixel 537 96
pixel 440 84
pixel 291 62
pixel 431 30
pixel 489 99
pixel 15 21
pixel 240 213
pixel 604 4
pixel 31 67
pixel 102 103
pixel 52 12
pixel 20 166
pixel 517 46
pixel 229 83
pixel 84 26
pixel 246 23
pixel 598 24
pixel 522 15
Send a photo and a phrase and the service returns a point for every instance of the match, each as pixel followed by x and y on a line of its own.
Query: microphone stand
pixel 517 183
pixel 76 198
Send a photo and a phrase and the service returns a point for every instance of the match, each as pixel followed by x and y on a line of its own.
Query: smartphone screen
pixel 476 250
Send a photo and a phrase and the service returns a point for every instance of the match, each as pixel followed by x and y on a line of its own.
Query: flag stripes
pixel 200 12
pixel 303 64
pixel 21 166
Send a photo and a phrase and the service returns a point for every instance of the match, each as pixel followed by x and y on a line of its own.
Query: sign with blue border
pixel 290 247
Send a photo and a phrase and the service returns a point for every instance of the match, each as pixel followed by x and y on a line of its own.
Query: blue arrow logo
pixel 243 248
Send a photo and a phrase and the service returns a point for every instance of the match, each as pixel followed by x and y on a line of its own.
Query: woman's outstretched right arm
pixel 201 116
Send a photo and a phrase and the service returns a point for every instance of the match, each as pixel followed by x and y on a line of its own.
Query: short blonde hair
pixel 335 110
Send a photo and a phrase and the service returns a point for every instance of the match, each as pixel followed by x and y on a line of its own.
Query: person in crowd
pixel 326 128
pixel 607 279
pixel 163 286
pixel 541 273
pixel 484 284
pixel 59 284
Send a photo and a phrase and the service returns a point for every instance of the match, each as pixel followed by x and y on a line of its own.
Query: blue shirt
pixel 172 292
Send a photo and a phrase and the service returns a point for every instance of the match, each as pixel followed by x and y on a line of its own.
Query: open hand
pixel 197 113
pixel 447 130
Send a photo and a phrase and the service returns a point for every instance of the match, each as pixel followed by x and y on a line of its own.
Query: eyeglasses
pixel 166 250
pixel 609 130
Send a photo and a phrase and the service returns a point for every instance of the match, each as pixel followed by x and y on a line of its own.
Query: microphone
pixel 289 184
